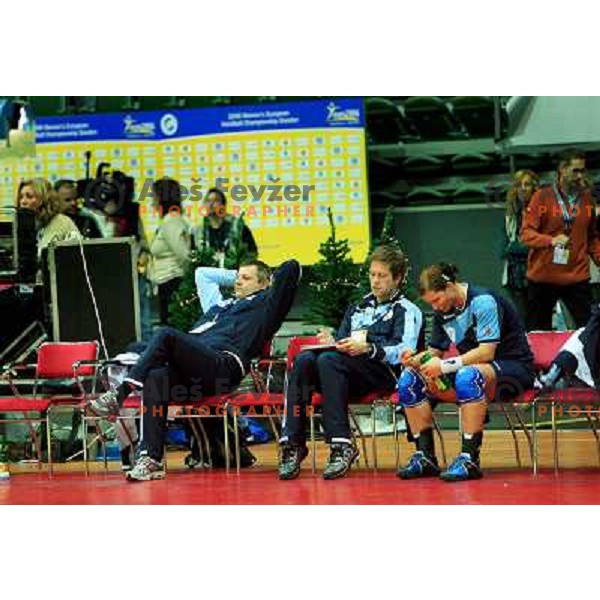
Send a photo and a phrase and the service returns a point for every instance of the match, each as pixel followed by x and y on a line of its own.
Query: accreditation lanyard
pixel 566 208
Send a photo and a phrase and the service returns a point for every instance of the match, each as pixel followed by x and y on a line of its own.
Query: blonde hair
pixel 50 201
pixel 513 193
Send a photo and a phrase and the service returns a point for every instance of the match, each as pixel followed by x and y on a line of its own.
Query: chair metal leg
pixel 512 432
pixel 36 441
pixel 274 429
pixel 49 443
pixel 85 448
pixel 313 442
pixel 595 432
pixel 554 438
pixel 206 443
pixel 441 440
pixel 535 437
pixel 195 428
pixel 236 437
pixel 374 437
pixel 226 438
pixel 525 431
pixel 361 436
pixel 396 438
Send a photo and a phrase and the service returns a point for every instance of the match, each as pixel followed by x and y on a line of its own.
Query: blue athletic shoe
pixel 462 469
pixel 420 465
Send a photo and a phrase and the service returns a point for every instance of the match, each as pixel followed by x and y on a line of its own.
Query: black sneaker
pixel 292 456
pixel 420 465
pixel 341 457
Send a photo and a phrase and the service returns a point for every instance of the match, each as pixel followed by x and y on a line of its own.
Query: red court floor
pixel 260 486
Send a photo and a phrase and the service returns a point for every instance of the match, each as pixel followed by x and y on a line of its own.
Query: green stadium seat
pixel 47 106
pixel 113 103
pixel 472 193
pixel 424 165
pixel 198 101
pixel 476 113
pixel 386 124
pixel 471 163
pixel 156 102
pixel 432 118
pixel 428 195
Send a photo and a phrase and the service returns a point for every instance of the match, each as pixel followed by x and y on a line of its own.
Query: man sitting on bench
pixel 212 359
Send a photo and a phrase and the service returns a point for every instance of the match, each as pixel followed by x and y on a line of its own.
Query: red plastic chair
pixel 546 346
pixel 56 361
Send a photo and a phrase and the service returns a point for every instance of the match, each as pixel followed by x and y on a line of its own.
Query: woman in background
pixel 515 253
pixel 38 196
pixel 170 248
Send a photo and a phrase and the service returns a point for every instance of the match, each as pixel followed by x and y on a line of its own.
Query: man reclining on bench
pixel 212 359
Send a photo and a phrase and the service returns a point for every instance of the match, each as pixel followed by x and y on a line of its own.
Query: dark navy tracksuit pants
pixel 340 378
pixel 178 368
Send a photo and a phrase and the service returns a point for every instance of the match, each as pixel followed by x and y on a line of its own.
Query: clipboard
pixel 318 347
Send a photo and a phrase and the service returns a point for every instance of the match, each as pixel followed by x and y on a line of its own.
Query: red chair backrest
pixel 55 359
pixel 295 347
pixel 545 345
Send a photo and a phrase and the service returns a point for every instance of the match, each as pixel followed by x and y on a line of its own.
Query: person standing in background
pixel 38 196
pixel 515 253
pixel 220 232
pixel 559 227
pixel 85 221
pixel 170 248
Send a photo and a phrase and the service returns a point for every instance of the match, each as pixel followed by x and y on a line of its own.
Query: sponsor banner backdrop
pixel 282 165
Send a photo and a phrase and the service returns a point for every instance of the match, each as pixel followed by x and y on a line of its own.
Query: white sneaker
pixel 4 472
pixel 146 469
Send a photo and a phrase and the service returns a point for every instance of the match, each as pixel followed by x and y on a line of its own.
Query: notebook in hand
pixel 318 347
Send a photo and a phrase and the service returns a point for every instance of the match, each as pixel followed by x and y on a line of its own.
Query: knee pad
pixel 412 389
pixel 469 385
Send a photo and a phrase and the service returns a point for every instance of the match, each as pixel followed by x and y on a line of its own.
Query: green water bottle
pixel 442 383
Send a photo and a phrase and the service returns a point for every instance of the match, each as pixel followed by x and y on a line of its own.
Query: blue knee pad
pixel 469 385
pixel 412 390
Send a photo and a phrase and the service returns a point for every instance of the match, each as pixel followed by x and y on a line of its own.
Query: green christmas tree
pixel 334 280
pixel 185 308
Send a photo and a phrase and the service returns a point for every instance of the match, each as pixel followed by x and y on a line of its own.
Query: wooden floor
pixel 578 481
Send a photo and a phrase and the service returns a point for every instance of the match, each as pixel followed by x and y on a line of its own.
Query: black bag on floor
pixel 216 441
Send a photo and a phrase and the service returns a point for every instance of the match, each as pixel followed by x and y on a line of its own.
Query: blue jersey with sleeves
pixel 486 317
pixel 392 327
pixel 243 326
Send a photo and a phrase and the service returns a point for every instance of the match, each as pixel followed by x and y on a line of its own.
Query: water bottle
pixel 442 383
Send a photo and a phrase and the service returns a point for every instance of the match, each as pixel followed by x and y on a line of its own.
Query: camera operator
pixel 70 206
